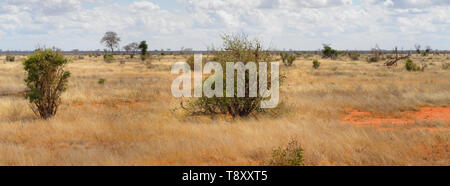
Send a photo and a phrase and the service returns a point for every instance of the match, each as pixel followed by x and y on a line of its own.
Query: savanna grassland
pixel 133 119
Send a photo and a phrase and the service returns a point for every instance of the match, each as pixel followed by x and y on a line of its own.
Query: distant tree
pixel 329 52
pixel 131 49
pixel 111 40
pixel 417 46
pixel 143 46
pixel 427 51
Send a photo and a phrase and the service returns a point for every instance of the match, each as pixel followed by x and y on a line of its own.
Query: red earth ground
pixel 410 120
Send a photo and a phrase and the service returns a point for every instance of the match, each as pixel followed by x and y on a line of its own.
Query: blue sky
pixel 198 24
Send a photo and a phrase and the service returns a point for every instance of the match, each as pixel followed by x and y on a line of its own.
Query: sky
pixel 198 24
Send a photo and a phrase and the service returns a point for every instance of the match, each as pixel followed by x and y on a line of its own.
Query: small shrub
pixel 109 58
pixel 10 58
pixel 291 155
pixel 288 59
pixel 101 81
pixel 316 64
pixel 411 66
pixel 45 79
pixel 291 59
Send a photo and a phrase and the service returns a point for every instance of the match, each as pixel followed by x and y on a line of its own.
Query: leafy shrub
pixel 10 58
pixel 411 66
pixel 109 58
pixel 288 59
pixel 45 79
pixel 291 59
pixel 316 64
pixel 236 48
pixel 101 81
pixel 329 52
pixel 291 155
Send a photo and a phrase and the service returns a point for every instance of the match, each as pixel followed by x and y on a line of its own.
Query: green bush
pixel 291 155
pixel 237 48
pixel 329 52
pixel 109 58
pixel 316 64
pixel 10 58
pixel 101 81
pixel 291 59
pixel 143 46
pixel 288 59
pixel 45 79
pixel 411 66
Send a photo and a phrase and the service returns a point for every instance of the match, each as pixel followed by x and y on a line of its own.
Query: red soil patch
pixel 426 114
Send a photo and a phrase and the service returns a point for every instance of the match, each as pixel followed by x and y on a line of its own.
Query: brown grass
pixel 133 120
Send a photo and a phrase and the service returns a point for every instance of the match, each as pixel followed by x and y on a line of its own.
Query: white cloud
pixel 297 24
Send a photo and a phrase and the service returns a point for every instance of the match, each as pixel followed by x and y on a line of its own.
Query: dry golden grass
pixel 133 120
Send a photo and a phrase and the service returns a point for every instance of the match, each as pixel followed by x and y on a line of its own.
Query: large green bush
pixel 236 48
pixel 45 79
